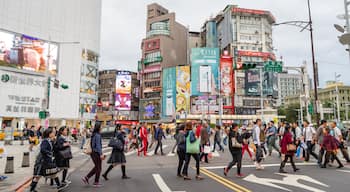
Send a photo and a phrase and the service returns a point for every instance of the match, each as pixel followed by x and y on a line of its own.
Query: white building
pixel 289 85
pixel 67 34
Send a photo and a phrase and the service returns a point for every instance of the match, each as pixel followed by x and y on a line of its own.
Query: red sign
pixel 126 122
pixel 253 11
pixel 151 45
pixel 226 66
pixel 265 55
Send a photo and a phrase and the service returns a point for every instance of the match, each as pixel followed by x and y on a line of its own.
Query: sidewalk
pixel 23 175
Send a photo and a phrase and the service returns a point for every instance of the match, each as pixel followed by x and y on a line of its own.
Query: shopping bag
pixel 206 149
pixel 192 148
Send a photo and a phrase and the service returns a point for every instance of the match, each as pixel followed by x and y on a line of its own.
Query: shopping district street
pixel 174 96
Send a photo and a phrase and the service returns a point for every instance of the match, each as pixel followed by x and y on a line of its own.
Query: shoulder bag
pixel 116 143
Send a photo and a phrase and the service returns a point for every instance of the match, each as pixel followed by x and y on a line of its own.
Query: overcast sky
pixel 123 27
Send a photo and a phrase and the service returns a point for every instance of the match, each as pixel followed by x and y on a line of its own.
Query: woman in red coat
pixel 287 153
pixel 330 144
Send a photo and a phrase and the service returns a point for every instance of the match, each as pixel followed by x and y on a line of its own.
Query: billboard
pixel 123 82
pixel 226 76
pixel 150 109
pixel 204 105
pixel 123 102
pixel 28 53
pixel 252 82
pixel 183 89
pixel 204 60
pixel 169 92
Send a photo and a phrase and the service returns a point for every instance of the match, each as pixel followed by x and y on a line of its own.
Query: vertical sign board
pixel 183 89
pixel 204 78
pixel 204 57
pixel 226 76
pixel 169 92
pixel 252 83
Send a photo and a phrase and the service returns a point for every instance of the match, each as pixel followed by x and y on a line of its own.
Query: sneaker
pixel 85 180
pixel 97 185
pixel 340 166
pixel 240 175
pixel 126 177
pixel 62 186
pixel 67 182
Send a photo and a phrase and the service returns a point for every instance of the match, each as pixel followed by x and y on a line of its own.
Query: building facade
pixel 289 85
pixel 165 46
pixel 68 44
pixel 118 97
pixel 247 35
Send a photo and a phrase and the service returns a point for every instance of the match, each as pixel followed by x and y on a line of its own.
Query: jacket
pixel 239 139
pixel 181 141
pixel 96 143
pixel 204 136
pixel 46 151
pixel 287 139
pixel 329 143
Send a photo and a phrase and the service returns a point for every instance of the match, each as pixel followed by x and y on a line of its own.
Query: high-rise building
pixel 247 35
pixel 289 85
pixel 118 97
pixel 165 46
pixel 63 35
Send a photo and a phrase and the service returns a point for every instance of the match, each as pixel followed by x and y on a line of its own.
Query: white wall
pixel 58 21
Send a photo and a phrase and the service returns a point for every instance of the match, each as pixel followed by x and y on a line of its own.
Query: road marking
pixel 161 184
pixel 252 166
pixel 151 153
pixel 227 183
pixel 345 171
pixel 215 154
pixel 170 154
pixel 289 179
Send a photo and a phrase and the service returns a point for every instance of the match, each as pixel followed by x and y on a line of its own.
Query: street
pixel 158 173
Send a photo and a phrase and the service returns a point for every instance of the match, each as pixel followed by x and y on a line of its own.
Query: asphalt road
pixel 158 174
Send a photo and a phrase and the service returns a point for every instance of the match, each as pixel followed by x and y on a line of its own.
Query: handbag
pixel 116 143
pixel 66 153
pixel 87 149
pixel 192 148
pixel 291 148
pixel 51 169
pixel 235 143
pixel 206 149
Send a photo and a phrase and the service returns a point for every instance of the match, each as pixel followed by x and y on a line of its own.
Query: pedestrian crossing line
pixel 253 166
pixel 227 183
pixel 151 153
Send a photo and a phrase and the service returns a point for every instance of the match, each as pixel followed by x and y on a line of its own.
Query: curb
pixel 20 186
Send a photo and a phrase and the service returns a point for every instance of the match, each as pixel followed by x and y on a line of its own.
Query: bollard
pixel 9 165
pixel 25 160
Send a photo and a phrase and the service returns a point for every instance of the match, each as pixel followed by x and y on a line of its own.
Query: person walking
pixel 62 153
pixel 84 135
pixel 44 164
pixel 235 146
pixel 330 145
pixel 117 157
pixel 32 137
pixel 246 137
pixel 177 129
pixel 158 136
pixel 153 138
pixel 143 136
pixel 257 142
pixel 192 150
pixel 336 133
pixel 97 156
pixel 181 148
pixel 319 138
pixel 309 135
pixel 204 137
pixel 271 135
pixel 217 138
pixel 288 149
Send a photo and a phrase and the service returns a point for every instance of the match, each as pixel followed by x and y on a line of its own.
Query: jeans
pixel 236 158
pixel 181 154
pixel 97 169
pixel 310 148
pixel 218 142
pixel 83 140
pixel 271 143
pixel 283 163
pixel 258 154
pixel 159 144
pixel 187 162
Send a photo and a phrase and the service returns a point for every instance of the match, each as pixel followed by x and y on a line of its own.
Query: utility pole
pixel 336 76
pixel 261 94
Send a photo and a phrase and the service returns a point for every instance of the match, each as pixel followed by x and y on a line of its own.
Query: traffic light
pixel 64 86
pixel 249 65
pixel 44 114
pixel 310 108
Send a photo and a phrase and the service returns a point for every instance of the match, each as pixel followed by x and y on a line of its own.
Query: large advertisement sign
pixel 28 53
pixel 123 82
pixel 183 92
pixel 21 95
pixel 204 105
pixel 169 92
pixel 201 59
pixel 150 109
pixel 226 76
pixel 123 102
pixel 252 82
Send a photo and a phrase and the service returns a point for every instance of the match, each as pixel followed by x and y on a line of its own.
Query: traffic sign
pixel 273 66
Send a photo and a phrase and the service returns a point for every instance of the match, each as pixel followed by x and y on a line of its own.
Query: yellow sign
pixel 183 89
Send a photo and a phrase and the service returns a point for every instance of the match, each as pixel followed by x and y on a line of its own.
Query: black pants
pixel 159 144
pixel 218 142
pixel 205 155
pixel 320 155
pixel 187 162
pixel 181 154
pixel 258 154
pixel 330 154
pixel 283 163
pixel 310 150
pixel 236 158
pixel 97 169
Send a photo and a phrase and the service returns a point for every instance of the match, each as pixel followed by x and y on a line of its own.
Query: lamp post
pixel 308 26
pixel 337 95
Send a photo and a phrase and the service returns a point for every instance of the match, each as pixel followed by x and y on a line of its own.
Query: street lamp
pixel 337 95
pixel 308 26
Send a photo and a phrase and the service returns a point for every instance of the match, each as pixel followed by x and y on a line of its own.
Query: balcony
pixel 157 32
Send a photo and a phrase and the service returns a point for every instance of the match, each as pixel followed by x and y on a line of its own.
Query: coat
pixel 204 136
pixel 44 159
pixel 59 146
pixel 287 139
pixel 330 143
pixel 118 156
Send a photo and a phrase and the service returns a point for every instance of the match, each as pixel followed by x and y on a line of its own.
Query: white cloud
pixel 123 27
